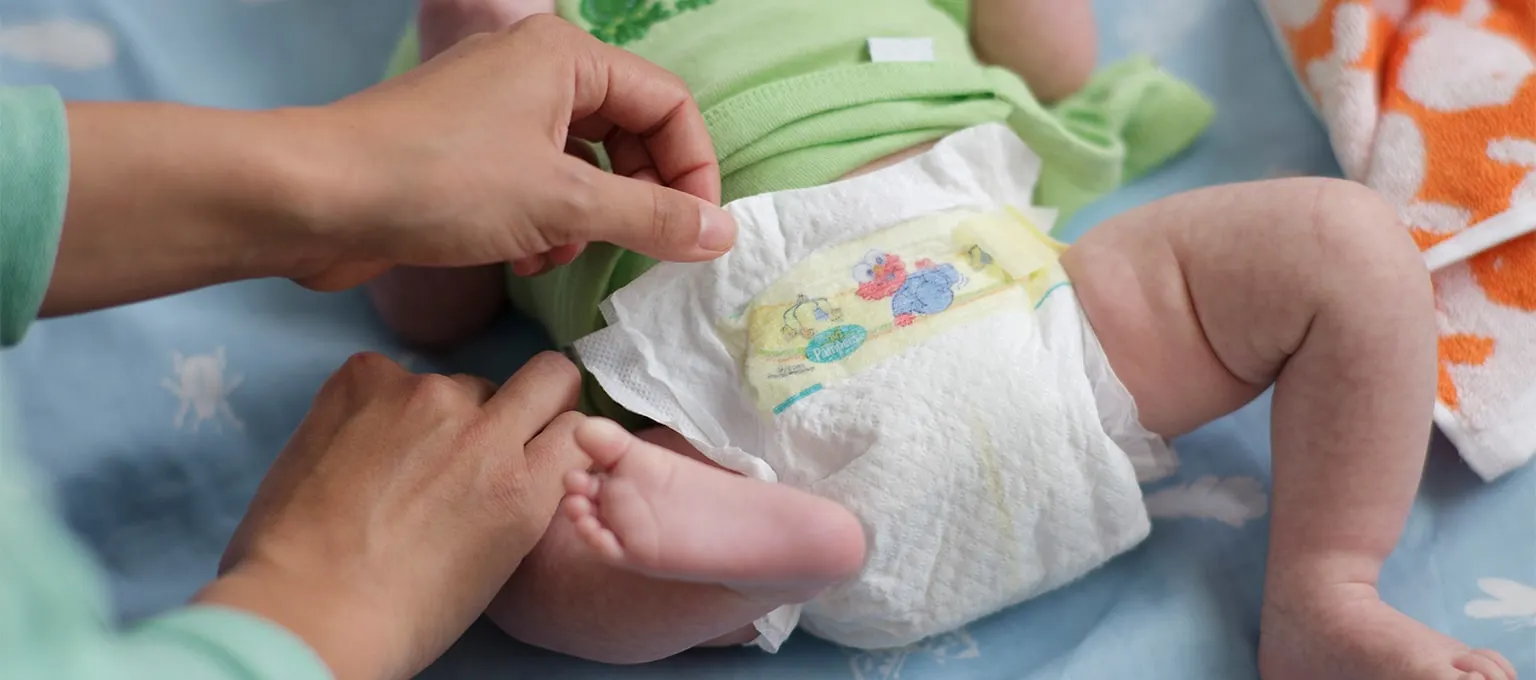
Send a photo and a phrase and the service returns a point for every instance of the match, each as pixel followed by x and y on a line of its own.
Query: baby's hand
pixel 443 23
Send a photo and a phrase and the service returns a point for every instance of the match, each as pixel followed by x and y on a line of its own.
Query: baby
pixel 1155 322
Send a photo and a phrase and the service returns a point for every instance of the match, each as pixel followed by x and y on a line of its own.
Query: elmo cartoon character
pixel 928 290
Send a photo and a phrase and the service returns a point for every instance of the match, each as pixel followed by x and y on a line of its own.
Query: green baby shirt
pixel 795 96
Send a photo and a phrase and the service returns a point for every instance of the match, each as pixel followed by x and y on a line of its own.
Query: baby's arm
pixel 438 308
pixel 1052 44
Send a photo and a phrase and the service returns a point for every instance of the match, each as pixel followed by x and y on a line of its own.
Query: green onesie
pixel 794 98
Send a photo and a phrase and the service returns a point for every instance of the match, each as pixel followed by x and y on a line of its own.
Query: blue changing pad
pixel 156 421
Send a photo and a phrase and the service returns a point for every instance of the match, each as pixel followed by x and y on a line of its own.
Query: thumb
pixel 647 218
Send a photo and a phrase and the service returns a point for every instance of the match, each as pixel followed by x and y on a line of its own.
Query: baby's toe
pixel 604 441
pixel 600 538
pixel 582 483
pixel 577 508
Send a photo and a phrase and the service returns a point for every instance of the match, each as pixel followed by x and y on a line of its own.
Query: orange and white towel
pixel 1433 103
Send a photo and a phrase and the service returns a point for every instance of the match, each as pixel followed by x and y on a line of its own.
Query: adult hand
pixel 441 24
pixel 494 183
pixel 458 163
pixel 399 508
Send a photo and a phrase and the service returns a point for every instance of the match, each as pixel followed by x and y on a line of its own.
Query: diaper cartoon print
pixel 928 290
pixel 853 305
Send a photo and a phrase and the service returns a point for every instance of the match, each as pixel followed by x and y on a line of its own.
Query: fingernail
pixel 529 266
pixel 718 232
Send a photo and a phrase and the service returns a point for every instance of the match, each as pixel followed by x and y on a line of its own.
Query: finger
pixel 1484 664
pixel 542 389
pixel 475 385
pixel 628 157
pixel 617 89
pixel 632 156
pixel 1504 664
pixel 532 265
pixel 552 457
pixel 663 223
pixel 364 374
pixel 564 255
pixel 554 451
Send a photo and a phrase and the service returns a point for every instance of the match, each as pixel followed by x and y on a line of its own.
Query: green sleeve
pixel 214 644
pixel 34 181
pixel 407 53
pixel 54 622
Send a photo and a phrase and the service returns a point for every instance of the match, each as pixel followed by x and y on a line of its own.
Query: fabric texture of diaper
pixel 907 344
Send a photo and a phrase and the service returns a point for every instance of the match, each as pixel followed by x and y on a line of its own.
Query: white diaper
pixel 904 343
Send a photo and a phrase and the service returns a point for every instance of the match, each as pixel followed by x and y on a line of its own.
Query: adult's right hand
pixel 399 508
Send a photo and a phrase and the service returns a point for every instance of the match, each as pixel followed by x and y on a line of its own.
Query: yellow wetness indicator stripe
pixel 851 306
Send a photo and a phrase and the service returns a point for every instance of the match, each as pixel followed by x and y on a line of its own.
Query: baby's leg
pixel 670 517
pixel 1051 44
pixel 1202 301
pixel 567 598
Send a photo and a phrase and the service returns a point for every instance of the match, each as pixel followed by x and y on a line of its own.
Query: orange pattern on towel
pixel 1460 349
pixel 1433 103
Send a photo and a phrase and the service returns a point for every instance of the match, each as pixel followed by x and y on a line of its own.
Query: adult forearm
pixel 340 628
pixel 165 198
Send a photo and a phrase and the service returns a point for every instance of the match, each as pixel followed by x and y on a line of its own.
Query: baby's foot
pixel 662 514
pixel 1350 634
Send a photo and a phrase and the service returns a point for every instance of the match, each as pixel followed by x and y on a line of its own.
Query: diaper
pixel 906 344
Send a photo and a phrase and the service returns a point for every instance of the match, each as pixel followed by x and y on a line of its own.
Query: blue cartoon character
pixel 928 290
